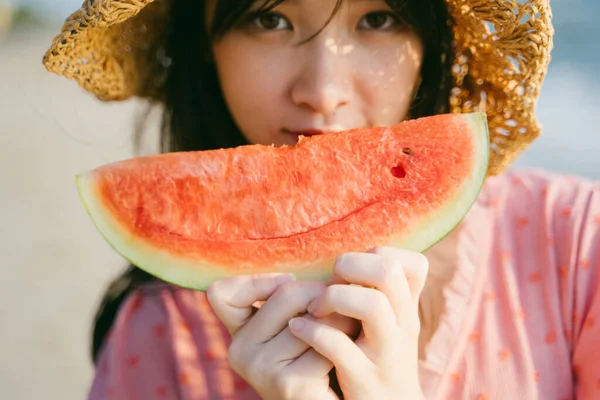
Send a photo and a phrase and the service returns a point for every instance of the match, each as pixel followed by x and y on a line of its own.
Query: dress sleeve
pixel 166 343
pixel 581 230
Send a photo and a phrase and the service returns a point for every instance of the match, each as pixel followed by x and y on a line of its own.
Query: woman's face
pixel 359 71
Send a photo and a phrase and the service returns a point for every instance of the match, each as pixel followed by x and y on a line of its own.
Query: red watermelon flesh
pixel 191 218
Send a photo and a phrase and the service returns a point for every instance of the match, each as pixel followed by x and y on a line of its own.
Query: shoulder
pixel 160 303
pixel 547 198
pixel 533 184
pixel 542 225
pixel 167 319
pixel 167 339
pixel 536 237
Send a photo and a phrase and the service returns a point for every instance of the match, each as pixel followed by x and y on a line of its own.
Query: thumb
pixel 232 298
pixel 416 269
pixel 414 265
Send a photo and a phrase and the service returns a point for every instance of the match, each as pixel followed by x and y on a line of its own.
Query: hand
pixel 263 351
pixel 383 362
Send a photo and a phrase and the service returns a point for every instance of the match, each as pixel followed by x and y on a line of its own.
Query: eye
pixel 271 21
pixel 379 20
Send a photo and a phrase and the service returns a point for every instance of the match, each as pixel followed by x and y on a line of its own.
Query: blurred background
pixel 56 265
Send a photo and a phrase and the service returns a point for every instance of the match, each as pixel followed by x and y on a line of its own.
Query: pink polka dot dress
pixel 521 317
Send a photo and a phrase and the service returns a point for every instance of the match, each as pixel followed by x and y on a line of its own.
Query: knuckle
pixel 296 292
pixel 252 366
pixel 389 271
pixel 422 260
pixel 257 284
pixel 285 386
pixel 387 252
pixel 314 334
pixel 235 356
pixel 333 294
pixel 214 293
pixel 258 366
pixel 376 301
pixel 287 291
pixel 386 269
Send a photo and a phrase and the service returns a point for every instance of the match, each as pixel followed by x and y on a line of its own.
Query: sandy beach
pixel 56 264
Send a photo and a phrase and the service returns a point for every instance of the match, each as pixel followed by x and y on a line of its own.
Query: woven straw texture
pixel 502 48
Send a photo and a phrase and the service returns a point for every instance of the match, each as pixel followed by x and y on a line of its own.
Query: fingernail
pixel 279 279
pixel 313 306
pixel 297 323
pixel 339 260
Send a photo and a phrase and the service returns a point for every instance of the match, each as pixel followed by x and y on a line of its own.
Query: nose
pixel 323 83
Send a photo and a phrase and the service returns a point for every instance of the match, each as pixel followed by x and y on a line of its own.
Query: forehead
pixel 308 3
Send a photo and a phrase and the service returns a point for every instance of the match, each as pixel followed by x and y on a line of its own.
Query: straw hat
pixel 502 51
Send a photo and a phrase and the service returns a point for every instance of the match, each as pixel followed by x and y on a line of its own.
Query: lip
pixel 311 131
pixel 305 132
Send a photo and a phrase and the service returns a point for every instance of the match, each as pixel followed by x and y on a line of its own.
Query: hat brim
pixel 502 51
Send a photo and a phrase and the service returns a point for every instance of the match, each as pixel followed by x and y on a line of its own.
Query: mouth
pixel 296 133
pixel 305 132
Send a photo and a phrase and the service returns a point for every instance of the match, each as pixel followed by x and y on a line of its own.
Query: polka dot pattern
pixel 536 319
pixel 524 306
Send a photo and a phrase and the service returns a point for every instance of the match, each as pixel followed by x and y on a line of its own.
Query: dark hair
pixel 195 116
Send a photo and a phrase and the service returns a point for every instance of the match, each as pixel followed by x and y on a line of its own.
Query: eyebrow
pixel 298 1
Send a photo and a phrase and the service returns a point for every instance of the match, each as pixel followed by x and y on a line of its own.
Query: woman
pixel 504 307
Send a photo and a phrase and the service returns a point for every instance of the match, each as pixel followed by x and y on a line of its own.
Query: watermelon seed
pixel 398 171
pixel 407 151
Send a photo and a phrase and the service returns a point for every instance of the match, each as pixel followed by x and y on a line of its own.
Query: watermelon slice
pixel 191 218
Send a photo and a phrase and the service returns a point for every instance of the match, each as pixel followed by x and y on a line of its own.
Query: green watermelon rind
pixel 153 260
pixel 440 224
pixel 197 275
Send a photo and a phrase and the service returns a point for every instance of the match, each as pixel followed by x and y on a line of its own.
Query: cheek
pixel 388 78
pixel 242 75
pixel 252 88
pixel 247 74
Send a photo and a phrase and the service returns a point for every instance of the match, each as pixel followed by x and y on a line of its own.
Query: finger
pixel 350 326
pixel 399 274
pixel 414 265
pixel 231 298
pixel 310 364
pixel 379 271
pixel 304 369
pixel 367 305
pixel 286 346
pixel 395 283
pixel 286 302
pixel 334 345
